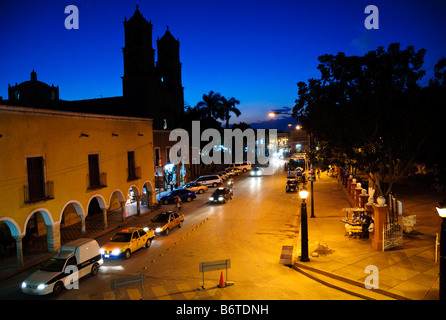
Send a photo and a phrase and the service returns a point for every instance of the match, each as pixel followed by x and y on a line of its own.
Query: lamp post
pixel 442 213
pixel 304 226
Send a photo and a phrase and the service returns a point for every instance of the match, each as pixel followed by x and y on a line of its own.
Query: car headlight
pixel 102 251
pixel 41 286
pixel 158 229
pixel 116 252
pixel 146 229
pixel 23 284
pixel 211 198
pixel 220 198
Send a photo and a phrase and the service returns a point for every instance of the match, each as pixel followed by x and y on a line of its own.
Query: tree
pixel 212 105
pixel 369 110
pixel 228 106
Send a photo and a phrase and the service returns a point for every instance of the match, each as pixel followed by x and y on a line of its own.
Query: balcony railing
pixel 102 183
pixel 134 174
pixel 45 192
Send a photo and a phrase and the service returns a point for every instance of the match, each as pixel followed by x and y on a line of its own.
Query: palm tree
pixel 228 107
pixel 212 104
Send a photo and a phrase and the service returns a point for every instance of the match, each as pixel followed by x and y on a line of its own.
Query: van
pixel 209 180
pixel 244 166
pixel 73 261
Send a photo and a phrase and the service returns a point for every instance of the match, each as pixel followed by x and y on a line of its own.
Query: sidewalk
pixel 408 272
pixel 36 252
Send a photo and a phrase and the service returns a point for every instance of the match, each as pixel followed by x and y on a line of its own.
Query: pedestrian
pixel 318 173
pixel 178 203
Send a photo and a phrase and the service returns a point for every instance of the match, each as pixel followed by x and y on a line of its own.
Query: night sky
pixel 255 51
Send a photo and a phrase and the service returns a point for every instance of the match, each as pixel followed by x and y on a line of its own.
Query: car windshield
pixel 53 265
pixel 162 217
pixel 122 237
pixel 219 191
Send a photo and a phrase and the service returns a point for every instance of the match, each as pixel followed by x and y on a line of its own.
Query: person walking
pixel 178 203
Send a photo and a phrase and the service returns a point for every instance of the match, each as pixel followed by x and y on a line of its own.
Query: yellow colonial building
pixel 56 167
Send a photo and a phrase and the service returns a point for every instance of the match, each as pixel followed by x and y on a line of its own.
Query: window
pixel 157 157
pixel 168 154
pixel 93 170
pixel 36 180
pixel 131 165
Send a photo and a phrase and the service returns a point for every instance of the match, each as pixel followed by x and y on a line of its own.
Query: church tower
pixel 138 82
pixel 168 69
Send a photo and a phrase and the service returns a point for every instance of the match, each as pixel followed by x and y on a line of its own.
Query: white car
pixel 209 180
pixel 73 261
pixel 244 166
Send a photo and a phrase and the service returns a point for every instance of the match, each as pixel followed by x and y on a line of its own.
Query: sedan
pixel 256 172
pixel 165 221
pixel 195 187
pixel 221 195
pixel 184 194
pixel 292 185
pixel 126 242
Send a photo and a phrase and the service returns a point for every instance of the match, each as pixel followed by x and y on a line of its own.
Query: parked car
pixel 209 180
pixel 184 194
pixel 222 174
pixel 256 172
pixel 221 195
pixel 292 185
pixel 233 171
pixel 195 187
pixel 73 261
pixel 127 241
pixel 165 221
pixel 244 166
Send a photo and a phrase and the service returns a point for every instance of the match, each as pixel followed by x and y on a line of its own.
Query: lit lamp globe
pixel 441 212
pixel 303 194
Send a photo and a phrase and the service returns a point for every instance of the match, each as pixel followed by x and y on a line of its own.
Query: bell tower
pixel 138 81
pixel 168 70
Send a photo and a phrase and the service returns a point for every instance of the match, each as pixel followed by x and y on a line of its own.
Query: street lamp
pixel 304 226
pixel 442 213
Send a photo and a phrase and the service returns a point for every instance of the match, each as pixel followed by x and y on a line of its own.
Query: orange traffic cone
pixel 222 282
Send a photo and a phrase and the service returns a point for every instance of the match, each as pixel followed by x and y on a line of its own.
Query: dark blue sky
pixel 255 51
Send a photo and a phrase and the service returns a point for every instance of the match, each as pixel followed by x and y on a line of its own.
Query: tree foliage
pixel 369 112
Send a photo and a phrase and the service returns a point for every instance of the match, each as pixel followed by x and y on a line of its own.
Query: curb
pixel 297 266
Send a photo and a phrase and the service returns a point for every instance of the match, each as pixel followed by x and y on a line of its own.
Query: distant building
pixel 33 93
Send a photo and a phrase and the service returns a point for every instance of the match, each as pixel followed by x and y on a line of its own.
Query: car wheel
pixel 244 170
pixel 188 199
pixel 127 253
pixel 180 224
pixel 200 191
pixel 214 184
pixel 58 287
pixel 94 269
pixel 165 202
pixel 148 243
pixel 166 232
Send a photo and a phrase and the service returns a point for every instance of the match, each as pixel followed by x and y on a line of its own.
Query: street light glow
pixel 303 194
pixel 441 212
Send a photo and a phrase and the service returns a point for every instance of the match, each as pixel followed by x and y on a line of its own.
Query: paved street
pixel 250 230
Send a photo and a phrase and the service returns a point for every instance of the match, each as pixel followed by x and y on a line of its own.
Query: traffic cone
pixel 222 282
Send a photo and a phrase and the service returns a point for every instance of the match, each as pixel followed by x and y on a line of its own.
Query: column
pixel 138 205
pixel 53 237
pixel 83 227
pixel 18 245
pixel 380 217
pixel 104 217
pixel 122 211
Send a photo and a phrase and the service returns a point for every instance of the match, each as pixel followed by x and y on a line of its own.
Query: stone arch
pixel 95 212
pixel 71 216
pixel 149 194
pixel 14 228
pixel 52 231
